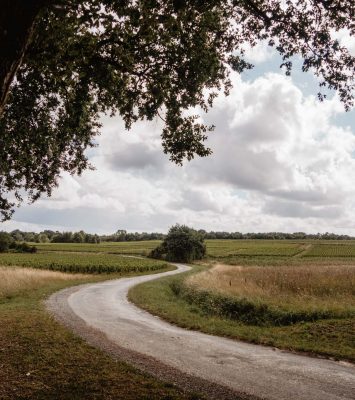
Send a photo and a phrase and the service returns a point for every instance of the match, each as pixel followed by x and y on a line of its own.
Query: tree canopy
pixel 5 241
pixel 181 244
pixel 72 60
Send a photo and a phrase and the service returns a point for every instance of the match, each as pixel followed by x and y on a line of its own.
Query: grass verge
pixel 40 359
pixel 333 338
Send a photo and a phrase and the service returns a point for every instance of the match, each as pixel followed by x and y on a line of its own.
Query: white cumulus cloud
pixel 280 162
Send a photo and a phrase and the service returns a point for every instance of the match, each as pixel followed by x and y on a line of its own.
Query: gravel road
pixel 218 367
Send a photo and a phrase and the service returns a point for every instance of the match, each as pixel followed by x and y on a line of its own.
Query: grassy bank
pixel 326 337
pixel 39 359
pixel 294 293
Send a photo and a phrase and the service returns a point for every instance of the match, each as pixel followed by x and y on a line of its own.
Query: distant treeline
pixel 54 237
pixel 275 235
pixel 124 236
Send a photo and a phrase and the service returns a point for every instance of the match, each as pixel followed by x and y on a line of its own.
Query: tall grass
pixel 17 280
pixel 272 295
pixel 315 286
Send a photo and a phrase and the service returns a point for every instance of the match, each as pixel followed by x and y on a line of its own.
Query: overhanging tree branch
pixel 17 20
pixel 136 58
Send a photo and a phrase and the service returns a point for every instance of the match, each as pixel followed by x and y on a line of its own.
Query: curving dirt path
pixel 218 367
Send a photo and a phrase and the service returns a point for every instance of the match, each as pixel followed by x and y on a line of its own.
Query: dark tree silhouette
pixel 182 244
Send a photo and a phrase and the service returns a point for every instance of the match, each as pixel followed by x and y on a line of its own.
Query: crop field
pixel 133 248
pixel 231 251
pixel 331 250
pixel 226 248
pixel 119 257
pixel 281 252
pixel 81 262
pixel 215 248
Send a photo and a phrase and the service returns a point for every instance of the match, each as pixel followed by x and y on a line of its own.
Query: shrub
pixel 182 244
pixel 5 241
pixel 22 248
pixel 25 248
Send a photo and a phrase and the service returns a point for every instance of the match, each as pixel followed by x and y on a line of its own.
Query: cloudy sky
pixel 282 161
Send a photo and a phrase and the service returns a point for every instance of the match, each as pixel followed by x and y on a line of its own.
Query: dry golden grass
pixel 15 279
pixel 297 287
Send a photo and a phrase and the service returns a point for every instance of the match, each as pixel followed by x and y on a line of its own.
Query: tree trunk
pixel 17 19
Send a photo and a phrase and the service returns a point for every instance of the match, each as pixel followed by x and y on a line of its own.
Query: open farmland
pixel 248 248
pixel 331 250
pixel 133 248
pixel 296 295
pixel 222 249
pixel 215 248
pixel 233 252
pixel 281 252
pixel 266 273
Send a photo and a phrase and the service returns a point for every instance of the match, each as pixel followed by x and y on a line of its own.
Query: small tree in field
pixel 182 244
